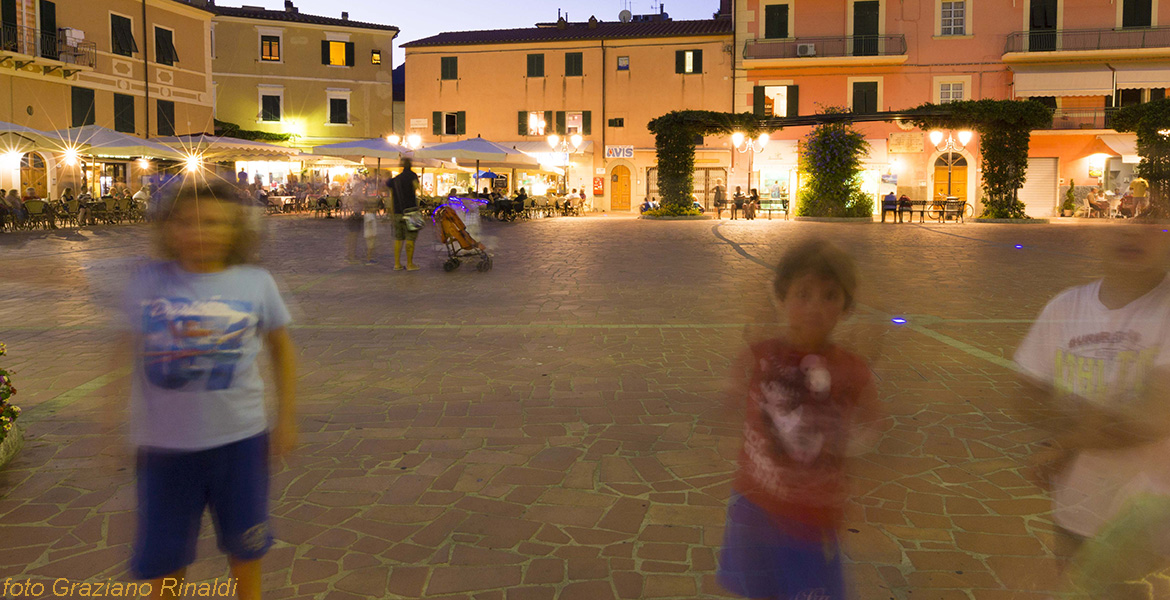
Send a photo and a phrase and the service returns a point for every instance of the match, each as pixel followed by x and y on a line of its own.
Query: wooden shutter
pixel 83 107
pixel 793 101
pixel 1136 13
pixel 124 113
pixel 680 61
pixel 460 123
pixel 522 123
pixel 697 62
pixel 437 123
pixel 776 21
pixel 8 15
pixel 166 117
pixel 865 97
pixel 349 54
pixel 586 122
pixel 560 122
pixel 48 29
pixel 324 52
pixel 758 102
pixel 548 120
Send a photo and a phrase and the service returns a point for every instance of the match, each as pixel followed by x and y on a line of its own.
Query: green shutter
pixel 776 21
pixel 698 62
pixel 349 62
pixel 680 61
pixel 793 101
pixel 560 122
pixel 460 123
pixel 437 123
pixel 548 120
pixel 324 52
pixel 522 124
pixel 586 123
pixel 758 102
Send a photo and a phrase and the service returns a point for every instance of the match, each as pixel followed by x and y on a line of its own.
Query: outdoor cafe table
pixel 284 201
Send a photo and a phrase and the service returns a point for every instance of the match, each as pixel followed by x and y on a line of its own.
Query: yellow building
pixel 602 80
pixel 138 67
pixel 322 79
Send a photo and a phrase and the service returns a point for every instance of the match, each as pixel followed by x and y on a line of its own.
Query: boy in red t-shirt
pixel 803 397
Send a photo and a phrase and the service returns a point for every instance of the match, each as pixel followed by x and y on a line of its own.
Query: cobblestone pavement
pixel 553 428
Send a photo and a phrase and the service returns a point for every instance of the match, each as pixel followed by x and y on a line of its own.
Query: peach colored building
pixel 1082 57
pixel 604 80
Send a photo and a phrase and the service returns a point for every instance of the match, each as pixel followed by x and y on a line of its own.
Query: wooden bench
pixel 952 208
pixel 915 206
pixel 774 205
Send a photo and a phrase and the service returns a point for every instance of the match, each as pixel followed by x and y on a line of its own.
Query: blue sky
pixel 422 18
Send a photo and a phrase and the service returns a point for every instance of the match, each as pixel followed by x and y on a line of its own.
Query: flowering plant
pixel 831 166
pixel 8 411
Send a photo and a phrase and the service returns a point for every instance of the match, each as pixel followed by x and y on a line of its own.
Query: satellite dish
pixel 625 16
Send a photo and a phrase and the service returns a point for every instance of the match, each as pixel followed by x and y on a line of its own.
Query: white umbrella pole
pixel 477 176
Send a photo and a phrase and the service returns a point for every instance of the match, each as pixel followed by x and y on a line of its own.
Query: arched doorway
pixel 33 174
pixel 620 190
pixel 950 176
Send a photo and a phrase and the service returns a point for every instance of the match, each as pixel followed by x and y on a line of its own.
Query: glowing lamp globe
pixel 965 137
pixel 553 140
pixel 936 137
pixel 763 140
pixel 576 140
pixel 737 139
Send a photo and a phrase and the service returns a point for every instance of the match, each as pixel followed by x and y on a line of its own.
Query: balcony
pixel 24 46
pixel 1065 44
pixel 1081 118
pixel 827 51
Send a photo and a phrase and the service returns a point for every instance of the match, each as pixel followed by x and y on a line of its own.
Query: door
pixel 48 37
pixel 619 198
pixel 1042 26
pixel 33 175
pixel 1039 191
pixel 865 28
pixel 950 177
pixel 1137 13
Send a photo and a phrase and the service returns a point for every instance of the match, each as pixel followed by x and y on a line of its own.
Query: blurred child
pixel 198 320
pixel 1096 364
pixel 804 395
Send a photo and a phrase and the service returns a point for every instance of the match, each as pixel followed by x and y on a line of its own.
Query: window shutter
pixel 8 12
pixel 324 52
pixel 461 122
pixel 48 29
pixel 437 123
pixel 776 21
pixel 680 61
pixel 83 107
pixel 522 124
pixel 586 123
pixel 560 122
pixel 349 54
pixel 548 120
pixel 698 62
pixel 793 101
pixel 758 101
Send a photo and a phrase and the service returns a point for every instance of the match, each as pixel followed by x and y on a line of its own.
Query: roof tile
pixel 580 31
pixel 251 12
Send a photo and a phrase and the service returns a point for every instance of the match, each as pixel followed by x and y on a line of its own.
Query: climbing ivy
pixel 228 129
pixel 830 165
pixel 1005 128
pixel 674 140
pixel 1151 123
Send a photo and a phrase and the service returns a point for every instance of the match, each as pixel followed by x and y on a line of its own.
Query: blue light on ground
pixel 899 320
pixel 1018 246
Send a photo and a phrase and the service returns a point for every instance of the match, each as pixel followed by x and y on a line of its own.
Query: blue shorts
pixel 760 560
pixel 174 487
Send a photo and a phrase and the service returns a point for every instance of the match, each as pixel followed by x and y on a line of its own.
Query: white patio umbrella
pixel 100 141
pixel 376 148
pixel 483 152
pixel 18 138
pixel 222 148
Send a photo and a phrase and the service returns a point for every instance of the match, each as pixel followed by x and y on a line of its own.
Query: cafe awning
pixel 1154 75
pixel 1050 80
pixel 1124 144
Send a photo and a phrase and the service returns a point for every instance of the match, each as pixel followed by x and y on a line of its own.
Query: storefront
pixel 268 173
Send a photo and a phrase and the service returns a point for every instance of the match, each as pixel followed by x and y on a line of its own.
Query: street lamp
pixel 393 139
pixel 950 150
pixel 743 144
pixel 413 141
pixel 566 146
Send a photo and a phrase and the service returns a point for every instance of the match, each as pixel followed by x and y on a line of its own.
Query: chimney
pixel 724 8
pixel 344 16
pixel 288 6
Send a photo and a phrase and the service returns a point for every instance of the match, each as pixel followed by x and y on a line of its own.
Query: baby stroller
pixel 453 233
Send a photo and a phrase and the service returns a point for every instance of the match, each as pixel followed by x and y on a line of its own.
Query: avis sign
pixel 619 152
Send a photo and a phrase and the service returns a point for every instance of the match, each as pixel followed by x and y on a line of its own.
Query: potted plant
pixel 11 438
pixel 1070 199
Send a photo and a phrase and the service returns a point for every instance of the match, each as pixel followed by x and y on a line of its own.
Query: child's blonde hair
pixel 191 191
pixel 821 258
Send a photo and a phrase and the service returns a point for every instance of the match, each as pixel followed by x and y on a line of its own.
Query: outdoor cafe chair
pixel 38 214
pixel 70 210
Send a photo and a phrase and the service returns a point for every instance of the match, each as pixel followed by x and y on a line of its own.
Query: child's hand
pixel 284 436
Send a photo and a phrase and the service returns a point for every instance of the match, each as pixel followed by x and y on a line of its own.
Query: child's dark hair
pixel 195 190
pixel 821 258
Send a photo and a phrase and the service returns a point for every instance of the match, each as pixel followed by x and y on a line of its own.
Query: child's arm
pixel 284 434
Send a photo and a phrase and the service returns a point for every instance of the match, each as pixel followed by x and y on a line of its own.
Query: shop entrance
pixel 33 174
pixel 954 166
pixel 620 191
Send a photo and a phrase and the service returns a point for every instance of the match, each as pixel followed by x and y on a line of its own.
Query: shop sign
pixel 1094 171
pixel 598 186
pixel 910 142
pixel 418 123
pixel 599 171
pixel 619 152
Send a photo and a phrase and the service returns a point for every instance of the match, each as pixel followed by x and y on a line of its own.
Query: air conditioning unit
pixel 806 49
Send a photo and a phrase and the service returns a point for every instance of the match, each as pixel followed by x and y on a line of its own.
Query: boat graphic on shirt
pixel 194 345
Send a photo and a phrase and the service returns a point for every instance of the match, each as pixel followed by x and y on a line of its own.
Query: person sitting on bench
pixel 890 204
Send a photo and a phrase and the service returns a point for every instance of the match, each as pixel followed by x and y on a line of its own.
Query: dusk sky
pixel 422 18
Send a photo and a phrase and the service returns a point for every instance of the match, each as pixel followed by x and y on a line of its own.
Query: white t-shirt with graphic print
pixel 1080 347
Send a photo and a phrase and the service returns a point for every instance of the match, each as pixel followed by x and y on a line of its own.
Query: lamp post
pixel 566 146
pixel 951 149
pixel 744 144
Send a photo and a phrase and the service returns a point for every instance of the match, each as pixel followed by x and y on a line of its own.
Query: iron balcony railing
pixel 1082 118
pixel 31 42
pixel 1052 40
pixel 827 46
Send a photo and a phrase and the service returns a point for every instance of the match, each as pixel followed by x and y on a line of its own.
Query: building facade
pixel 601 80
pixel 321 79
pixel 141 68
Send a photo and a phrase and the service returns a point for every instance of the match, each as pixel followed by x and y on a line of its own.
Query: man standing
pixel 1141 189
pixel 403 187
pixel 720 198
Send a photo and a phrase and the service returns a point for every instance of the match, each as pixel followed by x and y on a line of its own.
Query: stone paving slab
pixel 555 428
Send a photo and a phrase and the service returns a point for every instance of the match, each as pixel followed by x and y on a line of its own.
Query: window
pixel 1136 13
pixel 772 101
pixel 48 32
pixel 336 53
pixel 339 111
pixel 1157 94
pixel 164 47
pixel 950 92
pixel 124 113
pixel 776 21
pixel 619 122
pixel 623 63
pixel 83 107
pixel 122 36
pixel 166 117
pixel 574 122
pixel 536 65
pixel 688 61
pixel 449 123
pixel 270 108
pixel 375 57
pixel 270 48
pixel 532 122
pixel 1127 97
pixel 449 67
pixel 574 64
pixel 953 17
pixel 865 97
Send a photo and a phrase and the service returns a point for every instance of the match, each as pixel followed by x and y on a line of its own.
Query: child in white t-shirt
pixel 1096 362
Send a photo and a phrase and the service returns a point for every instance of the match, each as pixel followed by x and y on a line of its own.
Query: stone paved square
pixel 555 428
